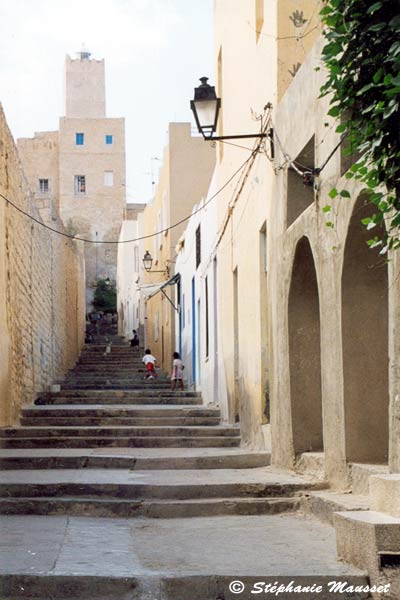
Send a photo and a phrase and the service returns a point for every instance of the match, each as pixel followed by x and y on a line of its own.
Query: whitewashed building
pixel 197 324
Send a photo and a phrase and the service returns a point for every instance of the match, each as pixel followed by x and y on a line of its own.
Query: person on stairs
pixel 135 340
pixel 150 364
pixel 177 371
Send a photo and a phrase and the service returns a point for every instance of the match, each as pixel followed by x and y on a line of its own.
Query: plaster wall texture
pixel 184 178
pixel 356 321
pixel 85 94
pixel 128 273
pixel 289 345
pixel 242 294
pixel 42 283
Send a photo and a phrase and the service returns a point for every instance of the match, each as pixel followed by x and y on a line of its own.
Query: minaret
pixel 91 167
pixel 85 90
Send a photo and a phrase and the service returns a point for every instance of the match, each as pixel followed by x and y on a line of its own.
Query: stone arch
pixel 365 343
pixel 305 352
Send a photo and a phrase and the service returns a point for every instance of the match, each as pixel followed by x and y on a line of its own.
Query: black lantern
pixel 205 107
pixel 147 261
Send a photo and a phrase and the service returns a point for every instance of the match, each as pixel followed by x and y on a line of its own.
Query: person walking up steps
pixel 177 371
pixel 135 340
pixel 150 364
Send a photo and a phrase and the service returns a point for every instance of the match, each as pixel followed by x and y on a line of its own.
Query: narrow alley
pixel 110 446
pixel 199 300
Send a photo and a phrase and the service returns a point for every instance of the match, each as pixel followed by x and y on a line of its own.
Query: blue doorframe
pixel 193 332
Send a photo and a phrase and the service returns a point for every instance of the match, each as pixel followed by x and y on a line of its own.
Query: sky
pixel 154 51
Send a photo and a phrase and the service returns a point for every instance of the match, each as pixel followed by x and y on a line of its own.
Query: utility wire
pixel 144 237
pixel 295 164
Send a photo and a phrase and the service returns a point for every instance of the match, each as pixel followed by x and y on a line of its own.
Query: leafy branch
pixel 362 55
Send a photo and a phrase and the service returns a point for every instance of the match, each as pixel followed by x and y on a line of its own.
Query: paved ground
pixel 130 452
pixel 262 475
pixel 269 546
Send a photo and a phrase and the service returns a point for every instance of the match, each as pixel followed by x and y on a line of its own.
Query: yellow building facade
pixel 255 50
pixel 184 178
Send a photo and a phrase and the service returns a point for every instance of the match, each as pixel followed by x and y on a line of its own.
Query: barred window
pixel 43 185
pixel 80 185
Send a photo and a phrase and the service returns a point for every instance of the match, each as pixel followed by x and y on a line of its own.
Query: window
pixel 108 178
pixel 79 139
pixel 80 185
pixel 198 246
pixel 183 311
pixel 109 140
pixel 166 311
pixel 136 259
pixel 207 321
pixel 259 17
pixel 43 185
pixel 263 248
pixel 165 214
pixel 156 329
pixel 159 228
pixel 155 238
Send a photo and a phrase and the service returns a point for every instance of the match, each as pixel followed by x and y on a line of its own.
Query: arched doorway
pixel 305 352
pixel 365 343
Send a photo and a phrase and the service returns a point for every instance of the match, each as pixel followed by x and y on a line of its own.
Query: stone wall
pixel 42 282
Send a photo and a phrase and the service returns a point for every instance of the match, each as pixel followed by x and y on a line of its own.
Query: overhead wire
pixel 294 164
pixel 144 237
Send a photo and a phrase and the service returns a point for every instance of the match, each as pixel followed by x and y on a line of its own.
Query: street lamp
pixel 206 107
pixel 148 262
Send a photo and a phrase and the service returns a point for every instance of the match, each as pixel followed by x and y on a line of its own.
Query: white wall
pixel 210 375
pixel 128 272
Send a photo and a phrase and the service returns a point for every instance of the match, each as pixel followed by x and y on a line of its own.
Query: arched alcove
pixel 305 352
pixel 365 343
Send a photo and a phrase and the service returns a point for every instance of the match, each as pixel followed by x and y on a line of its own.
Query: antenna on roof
pixel 84 54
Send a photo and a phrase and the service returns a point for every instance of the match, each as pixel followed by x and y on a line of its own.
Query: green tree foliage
pixel 362 55
pixel 105 295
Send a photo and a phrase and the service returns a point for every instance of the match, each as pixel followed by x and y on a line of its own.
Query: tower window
pixel 79 139
pixel 109 139
pixel 80 185
pixel 43 185
pixel 109 178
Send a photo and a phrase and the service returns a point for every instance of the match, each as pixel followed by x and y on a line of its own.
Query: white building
pixel 197 325
pixel 129 271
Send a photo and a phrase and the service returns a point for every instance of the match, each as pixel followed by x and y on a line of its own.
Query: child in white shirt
pixel 177 371
pixel 150 363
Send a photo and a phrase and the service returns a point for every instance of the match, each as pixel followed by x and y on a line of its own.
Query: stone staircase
pixel 111 443
pixel 109 446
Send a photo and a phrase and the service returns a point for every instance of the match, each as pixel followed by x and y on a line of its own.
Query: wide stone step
pixel 115 420
pixel 150 392
pixel 111 386
pixel 141 485
pixel 118 410
pixel 133 459
pixel 159 509
pixel 111 400
pixel 63 432
pixel 122 442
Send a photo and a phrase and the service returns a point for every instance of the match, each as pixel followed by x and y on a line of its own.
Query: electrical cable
pixel 293 163
pixel 144 237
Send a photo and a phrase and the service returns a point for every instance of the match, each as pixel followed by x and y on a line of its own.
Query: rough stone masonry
pixel 42 281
